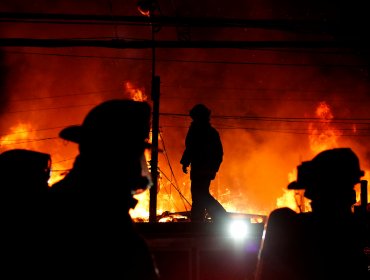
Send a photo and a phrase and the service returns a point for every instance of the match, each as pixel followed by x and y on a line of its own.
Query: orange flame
pixel 322 134
pixel 135 93
pixel 23 136
pixel 19 136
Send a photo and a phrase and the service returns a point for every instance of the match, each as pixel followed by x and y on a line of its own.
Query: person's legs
pixel 203 201
pixel 215 210
pixel 199 194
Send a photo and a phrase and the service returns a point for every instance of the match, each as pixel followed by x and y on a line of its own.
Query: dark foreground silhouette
pixel 83 229
pixel 327 243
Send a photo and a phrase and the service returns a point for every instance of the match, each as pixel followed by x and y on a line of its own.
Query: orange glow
pixel 145 13
pixel 242 185
pixel 322 134
pixel 24 136
pixel 135 93
pixel 19 135
pixel 263 100
pixel 166 200
pixel 288 199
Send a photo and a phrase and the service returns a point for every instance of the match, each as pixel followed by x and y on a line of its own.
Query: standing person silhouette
pixel 204 154
pixel 95 230
pixel 327 243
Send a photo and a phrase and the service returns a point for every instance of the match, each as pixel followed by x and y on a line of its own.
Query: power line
pixel 200 44
pixel 274 119
pixel 24 141
pixel 360 132
pixel 51 108
pixel 173 174
pixel 32 131
pixel 63 95
pixel 194 61
pixel 312 26
pixel 299 120
pixel 208 88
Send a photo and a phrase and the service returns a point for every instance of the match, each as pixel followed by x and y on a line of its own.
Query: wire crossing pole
pixel 155 129
pixel 154 157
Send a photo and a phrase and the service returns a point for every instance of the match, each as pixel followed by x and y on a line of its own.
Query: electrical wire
pixel 173 174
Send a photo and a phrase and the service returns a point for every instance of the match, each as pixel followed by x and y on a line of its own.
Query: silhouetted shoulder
pixel 281 216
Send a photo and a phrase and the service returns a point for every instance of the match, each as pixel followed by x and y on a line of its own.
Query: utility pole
pixel 154 157
pixel 155 133
pixel 148 8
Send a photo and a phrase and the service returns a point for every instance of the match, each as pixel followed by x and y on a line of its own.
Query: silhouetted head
pixel 125 120
pixel 200 112
pixel 24 171
pixel 330 175
pixel 112 140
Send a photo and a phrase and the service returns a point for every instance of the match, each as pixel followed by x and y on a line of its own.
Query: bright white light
pixel 239 229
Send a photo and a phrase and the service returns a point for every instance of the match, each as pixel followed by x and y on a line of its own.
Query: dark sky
pixel 264 101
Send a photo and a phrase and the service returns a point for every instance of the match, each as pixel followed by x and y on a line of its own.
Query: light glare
pixel 238 229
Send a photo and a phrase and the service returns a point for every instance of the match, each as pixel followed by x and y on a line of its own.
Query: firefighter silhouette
pixel 98 193
pixel 329 241
pixel 204 154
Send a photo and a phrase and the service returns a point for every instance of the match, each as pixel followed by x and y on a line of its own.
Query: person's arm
pixel 187 155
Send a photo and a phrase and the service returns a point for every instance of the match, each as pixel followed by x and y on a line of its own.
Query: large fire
pixel 174 195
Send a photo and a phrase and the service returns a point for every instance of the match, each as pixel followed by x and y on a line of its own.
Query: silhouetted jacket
pixel 309 247
pixel 203 150
pixel 94 225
